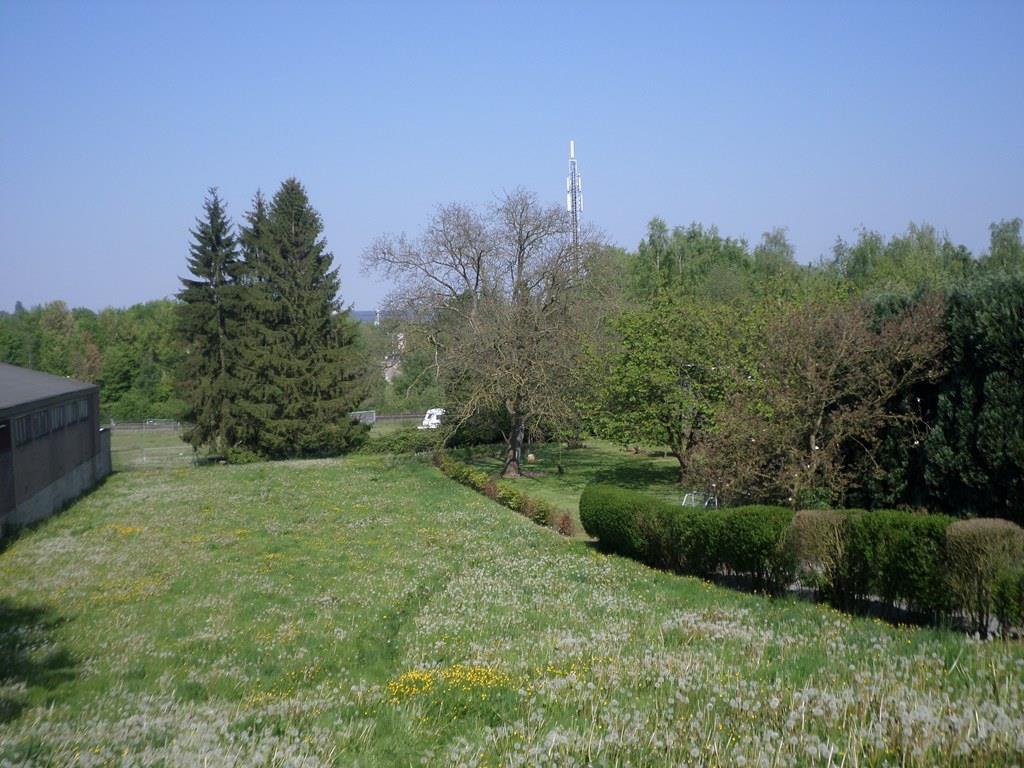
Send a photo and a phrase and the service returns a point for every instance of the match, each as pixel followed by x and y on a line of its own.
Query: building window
pixel 22 430
pixel 57 417
pixel 40 423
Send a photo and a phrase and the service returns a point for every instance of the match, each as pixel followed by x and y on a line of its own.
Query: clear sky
pixel 821 117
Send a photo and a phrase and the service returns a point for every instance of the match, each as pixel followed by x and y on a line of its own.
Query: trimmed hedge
pixel 981 553
pixel 816 538
pixel 928 564
pixel 1008 599
pixel 505 493
pixel 754 541
pixel 745 541
pixel 897 556
pixel 409 440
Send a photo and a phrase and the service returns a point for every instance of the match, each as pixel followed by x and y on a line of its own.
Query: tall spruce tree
pixel 208 319
pixel 301 371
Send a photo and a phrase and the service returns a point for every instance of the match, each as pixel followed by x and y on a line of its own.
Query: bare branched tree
pixel 498 296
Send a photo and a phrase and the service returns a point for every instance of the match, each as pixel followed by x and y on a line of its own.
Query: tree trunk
pixel 514 453
pixel 681 477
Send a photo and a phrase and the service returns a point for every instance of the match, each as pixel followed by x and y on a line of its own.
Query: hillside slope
pixel 367 611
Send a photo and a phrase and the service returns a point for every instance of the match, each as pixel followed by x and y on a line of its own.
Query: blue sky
pixel 820 117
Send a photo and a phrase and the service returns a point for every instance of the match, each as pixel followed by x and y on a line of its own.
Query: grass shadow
pixel 30 657
pixel 638 474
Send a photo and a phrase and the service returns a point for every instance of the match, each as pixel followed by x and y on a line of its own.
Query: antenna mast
pixel 574 196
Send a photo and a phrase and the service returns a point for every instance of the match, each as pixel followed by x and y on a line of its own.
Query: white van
pixel 433 419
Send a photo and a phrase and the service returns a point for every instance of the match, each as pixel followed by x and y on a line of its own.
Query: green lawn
pixel 368 611
pixel 600 460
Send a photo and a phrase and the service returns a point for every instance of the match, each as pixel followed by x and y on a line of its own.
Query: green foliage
pixel 898 556
pixel 746 541
pixel 919 260
pixel 816 538
pixel 754 542
pixel 210 318
pixel 980 553
pixel 1006 249
pixel 132 353
pixel 691 261
pixel 408 440
pixel 670 371
pixel 299 372
pixel 616 518
pixel 501 491
pixel 1008 599
pixel 976 448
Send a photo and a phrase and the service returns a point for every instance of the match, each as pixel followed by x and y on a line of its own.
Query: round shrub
pixel 620 520
pixel 979 552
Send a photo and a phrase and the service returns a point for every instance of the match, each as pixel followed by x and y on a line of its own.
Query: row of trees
pixel 132 353
pixel 881 376
pixel 271 365
pixel 884 375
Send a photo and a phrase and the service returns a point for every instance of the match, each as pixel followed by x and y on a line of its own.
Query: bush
pixel 619 520
pixel 410 440
pixel 979 553
pixel 1008 599
pixel 501 491
pixel 696 536
pixel 238 455
pixel 816 540
pixel 754 543
pixel 748 541
pixel 897 556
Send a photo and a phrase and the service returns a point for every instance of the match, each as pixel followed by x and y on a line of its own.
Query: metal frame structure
pixel 574 195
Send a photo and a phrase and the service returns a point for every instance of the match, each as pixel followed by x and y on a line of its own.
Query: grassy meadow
pixel 558 475
pixel 368 611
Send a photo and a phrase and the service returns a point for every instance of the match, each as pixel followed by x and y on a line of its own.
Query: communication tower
pixel 574 195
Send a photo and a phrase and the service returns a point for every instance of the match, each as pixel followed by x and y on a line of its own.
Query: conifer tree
pixel 207 323
pixel 302 373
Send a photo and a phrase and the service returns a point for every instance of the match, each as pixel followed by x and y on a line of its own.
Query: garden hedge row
pixel 745 541
pixel 931 565
pixel 407 440
pixel 505 493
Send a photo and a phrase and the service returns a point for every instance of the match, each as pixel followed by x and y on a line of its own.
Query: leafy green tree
pixel 812 419
pixel 976 448
pixel 918 260
pixel 691 261
pixel 207 320
pixel 669 373
pixel 1006 248
pixel 300 372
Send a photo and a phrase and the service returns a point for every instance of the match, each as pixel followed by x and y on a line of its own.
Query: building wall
pixel 6 469
pixel 64 489
pixel 40 475
pixel 48 457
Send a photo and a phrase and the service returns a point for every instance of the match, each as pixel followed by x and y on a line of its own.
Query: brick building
pixel 51 446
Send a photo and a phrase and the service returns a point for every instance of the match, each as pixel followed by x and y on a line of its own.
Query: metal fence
pixel 154 444
pixel 150 425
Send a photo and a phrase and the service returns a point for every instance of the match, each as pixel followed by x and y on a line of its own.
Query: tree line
pixel 885 374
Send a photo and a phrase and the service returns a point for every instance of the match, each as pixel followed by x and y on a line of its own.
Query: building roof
pixel 22 388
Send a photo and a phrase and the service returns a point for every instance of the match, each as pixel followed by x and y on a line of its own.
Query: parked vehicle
pixel 433 419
